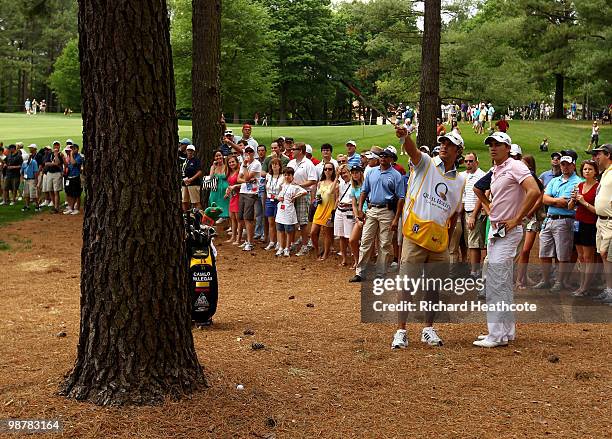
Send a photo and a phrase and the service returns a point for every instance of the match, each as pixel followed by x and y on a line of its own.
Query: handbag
pixel 210 183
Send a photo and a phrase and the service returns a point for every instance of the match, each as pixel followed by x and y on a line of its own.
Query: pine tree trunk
pixel 559 96
pixel 135 343
pixel 206 85
pixel 430 74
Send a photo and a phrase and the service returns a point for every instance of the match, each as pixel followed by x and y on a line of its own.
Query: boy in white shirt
pixel 286 214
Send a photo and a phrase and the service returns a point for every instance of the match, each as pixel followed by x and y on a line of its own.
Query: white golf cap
pixel 424 148
pixel 515 149
pixel 392 149
pixel 351 142
pixel 454 138
pixel 567 158
pixel 56 142
pixel 499 137
pixel 370 155
pixel 69 141
pixel 308 149
pixel 33 146
pixel 190 148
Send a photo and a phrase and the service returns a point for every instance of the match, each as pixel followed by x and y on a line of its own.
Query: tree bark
pixel 559 96
pixel 206 83
pixel 135 342
pixel 430 74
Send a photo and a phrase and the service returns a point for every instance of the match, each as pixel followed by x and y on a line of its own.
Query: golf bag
pixel 201 252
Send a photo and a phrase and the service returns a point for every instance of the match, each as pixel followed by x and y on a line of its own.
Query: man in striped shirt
pixel 474 217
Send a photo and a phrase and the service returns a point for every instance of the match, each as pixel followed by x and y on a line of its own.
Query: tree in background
pixel 429 101
pixel 135 342
pixel 65 80
pixel 205 77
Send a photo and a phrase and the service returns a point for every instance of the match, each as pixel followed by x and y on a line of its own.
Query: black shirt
pixel 14 160
pixel 191 168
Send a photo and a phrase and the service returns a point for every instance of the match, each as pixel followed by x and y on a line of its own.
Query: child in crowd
pixel 286 215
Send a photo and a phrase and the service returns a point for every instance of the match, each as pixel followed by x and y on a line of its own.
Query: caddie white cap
pixel 454 138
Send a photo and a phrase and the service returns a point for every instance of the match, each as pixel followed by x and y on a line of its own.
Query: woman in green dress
pixel 219 170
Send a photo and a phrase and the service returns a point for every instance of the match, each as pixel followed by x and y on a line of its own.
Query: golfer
pixel 433 202
pixel 515 191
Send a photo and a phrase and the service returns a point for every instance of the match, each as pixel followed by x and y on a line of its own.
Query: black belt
pixel 605 218
pixel 380 206
pixel 469 211
pixel 560 216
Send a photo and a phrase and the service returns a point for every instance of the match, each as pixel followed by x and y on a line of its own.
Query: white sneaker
pixel 400 341
pixel 270 246
pixel 243 244
pixel 19 198
pixel 67 211
pixel 484 343
pixel 12 203
pixel 286 253
pixel 293 247
pixel 279 252
pixel 2 203
pixel 430 336
pixel 309 245
pixel 303 251
pixel 247 247
pixel 74 212
pixel 277 246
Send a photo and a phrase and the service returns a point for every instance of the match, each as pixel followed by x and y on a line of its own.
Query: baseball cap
pixel 308 149
pixel 33 146
pixel 190 148
pixel 56 142
pixel 389 151
pixel 185 141
pixel 228 133
pixel 570 152
pixel 288 139
pixel 12 146
pixel 454 138
pixel 568 159
pixel 424 148
pixel 606 147
pixel 555 154
pixel 68 141
pixel 356 168
pixel 248 147
pixel 500 137
pixel 370 155
pixel 515 149
pixel 351 142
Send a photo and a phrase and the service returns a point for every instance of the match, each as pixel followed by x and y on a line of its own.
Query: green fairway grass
pixel 43 129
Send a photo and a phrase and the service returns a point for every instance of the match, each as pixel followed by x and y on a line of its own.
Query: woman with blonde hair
pixel 325 200
pixel 344 220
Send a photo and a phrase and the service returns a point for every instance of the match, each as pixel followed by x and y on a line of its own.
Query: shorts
pixel 53 182
pixel 29 189
pixel 286 228
pixel 344 221
pixel 72 187
pixel 302 206
pixel 191 194
pixel 533 225
pixel 40 182
pixel 557 239
pixel 271 208
pixel 246 206
pixel 475 238
pixel 595 138
pixel 10 183
pixel 603 238
pixel 585 235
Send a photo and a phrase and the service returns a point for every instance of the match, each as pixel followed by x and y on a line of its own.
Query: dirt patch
pixel 320 372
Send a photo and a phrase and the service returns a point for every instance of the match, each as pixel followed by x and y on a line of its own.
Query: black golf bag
pixel 203 284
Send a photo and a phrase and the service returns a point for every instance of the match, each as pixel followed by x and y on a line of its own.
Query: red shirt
pixel 315 161
pixel 399 168
pixel 440 129
pixel 503 125
pixel 582 213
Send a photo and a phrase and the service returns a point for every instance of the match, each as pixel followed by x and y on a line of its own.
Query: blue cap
pixel 185 141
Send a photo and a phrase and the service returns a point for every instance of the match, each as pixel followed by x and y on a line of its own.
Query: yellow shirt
pixel 603 200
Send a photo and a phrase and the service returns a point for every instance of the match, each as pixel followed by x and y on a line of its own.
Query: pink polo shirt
pixel 508 195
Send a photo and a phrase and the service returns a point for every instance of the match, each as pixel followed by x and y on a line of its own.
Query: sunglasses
pixel 470 161
pixel 342 162
pixel 329 169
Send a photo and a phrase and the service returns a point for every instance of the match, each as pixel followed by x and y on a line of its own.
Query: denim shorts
pixel 287 228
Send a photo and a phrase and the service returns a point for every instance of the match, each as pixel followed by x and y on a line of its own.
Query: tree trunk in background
pixel 206 85
pixel 430 74
pixel 559 96
pixel 135 342
pixel 282 117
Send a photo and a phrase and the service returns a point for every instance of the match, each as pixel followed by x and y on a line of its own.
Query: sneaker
pixel 247 247
pixel 279 252
pixel 430 336
pixel 286 253
pixel 19 198
pixel 556 288
pixel 309 245
pixel 541 285
pixel 67 211
pixel 220 221
pixel 74 212
pixel 270 246
pixel 607 299
pixel 277 246
pixel 293 247
pixel 601 295
pixel 394 265
pixel 303 251
pixel 25 208
pixel 243 244
pixel 262 239
pixel 484 343
pixel 228 230
pixel 37 209
pixel 356 278
pixel 2 203
pixel 400 341
pixel 604 296
pixel 12 203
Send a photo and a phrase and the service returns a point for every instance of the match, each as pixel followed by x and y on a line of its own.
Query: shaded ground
pixel 322 373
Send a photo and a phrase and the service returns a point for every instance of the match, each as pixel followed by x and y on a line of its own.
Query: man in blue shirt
pixel 557 235
pixel 554 171
pixel 72 183
pixel 354 159
pixel 29 172
pixel 384 191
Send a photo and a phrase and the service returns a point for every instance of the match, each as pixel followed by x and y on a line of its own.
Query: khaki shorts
pixel 603 239
pixel 191 194
pixel 53 182
pixel 29 189
pixel 418 261
pixel 475 238
pixel 557 239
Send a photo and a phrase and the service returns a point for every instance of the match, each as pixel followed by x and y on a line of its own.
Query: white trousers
pixel 500 284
